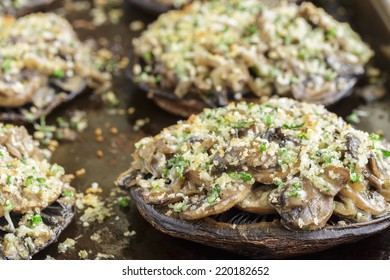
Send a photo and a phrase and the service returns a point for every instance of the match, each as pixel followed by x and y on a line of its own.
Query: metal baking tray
pixel 148 243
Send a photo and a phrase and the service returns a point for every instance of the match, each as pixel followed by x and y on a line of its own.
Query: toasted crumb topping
pixel 234 49
pixel 299 149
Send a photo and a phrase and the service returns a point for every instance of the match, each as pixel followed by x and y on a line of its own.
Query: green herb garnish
pixel 68 193
pixel 242 176
pixel 36 220
pixel 263 147
pixel 9 180
pixel 179 164
pixel 293 126
pixel 212 198
pixel 8 205
pixel 179 206
pixel 269 120
pixel 241 125
pixel 294 190
pixel 353 118
pixel 29 181
pixel 385 153
pixel 123 202
pixel 59 74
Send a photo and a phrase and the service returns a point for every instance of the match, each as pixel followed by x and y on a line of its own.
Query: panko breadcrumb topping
pixel 217 51
pixel 278 156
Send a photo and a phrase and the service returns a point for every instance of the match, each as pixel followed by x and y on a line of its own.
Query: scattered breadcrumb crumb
pixel 81 172
pixel 136 25
pixel 99 153
pixel 114 130
pixel 66 245
pixel 83 254
pixel 101 256
pixel 96 236
pixel 140 123
pixel 131 111
pixel 129 233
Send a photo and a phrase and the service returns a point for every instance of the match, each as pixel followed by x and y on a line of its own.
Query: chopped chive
pixel 9 180
pixel 263 147
pixel 243 176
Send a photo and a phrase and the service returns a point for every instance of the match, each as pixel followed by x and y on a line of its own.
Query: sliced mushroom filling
pixel 29 185
pixel 283 156
pixel 40 53
pixel 289 50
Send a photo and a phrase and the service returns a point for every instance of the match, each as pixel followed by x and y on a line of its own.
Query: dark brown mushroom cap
pixel 55 217
pixel 42 69
pixel 182 87
pixel 256 238
pixel 29 7
pixel 282 159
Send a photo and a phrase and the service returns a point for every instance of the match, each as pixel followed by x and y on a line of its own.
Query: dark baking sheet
pixel 149 243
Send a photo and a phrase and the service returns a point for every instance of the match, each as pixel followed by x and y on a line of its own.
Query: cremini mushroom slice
pixel 257 201
pixel 301 205
pixel 41 70
pixel 257 49
pixel 282 157
pixel 36 200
